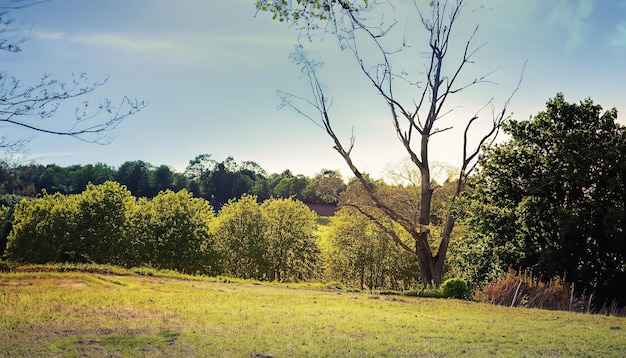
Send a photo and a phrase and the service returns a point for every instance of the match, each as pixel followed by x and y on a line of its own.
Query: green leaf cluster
pixel 172 232
pixel 307 11
pixel 105 224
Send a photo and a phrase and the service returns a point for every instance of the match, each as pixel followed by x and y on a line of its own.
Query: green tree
pixel 172 231
pixel 553 198
pixel 102 224
pixel 161 178
pixel 200 167
pixel 326 186
pixel 292 250
pixel 44 230
pixel 197 173
pixel 381 49
pixel 68 180
pixel 219 182
pixel 359 253
pixel 239 231
pixel 93 173
pixel 292 187
pixel 265 189
pixel 135 175
pixel 19 179
pixel 7 207
pixel 227 182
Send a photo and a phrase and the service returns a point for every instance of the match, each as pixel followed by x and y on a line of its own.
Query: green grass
pixel 76 314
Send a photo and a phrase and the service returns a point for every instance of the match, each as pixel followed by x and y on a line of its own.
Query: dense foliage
pixel 553 199
pixel 105 224
pixel 172 232
pixel 239 233
pixel 455 288
pixel 293 253
pixel 217 182
pixel 274 241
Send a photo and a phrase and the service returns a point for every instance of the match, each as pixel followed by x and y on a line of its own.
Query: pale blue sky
pixel 210 71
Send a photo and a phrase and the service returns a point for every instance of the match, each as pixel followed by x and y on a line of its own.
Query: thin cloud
pixel 179 47
pixel 108 40
pixel 120 41
pixel 574 16
pixel 227 49
pixel 48 35
pixel 618 37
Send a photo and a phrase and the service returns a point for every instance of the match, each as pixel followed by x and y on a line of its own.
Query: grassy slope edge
pixel 75 314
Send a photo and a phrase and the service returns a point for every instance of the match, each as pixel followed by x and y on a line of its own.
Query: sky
pixel 210 71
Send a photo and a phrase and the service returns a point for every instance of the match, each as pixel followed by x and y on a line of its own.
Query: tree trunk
pixel 425 261
pixel 428 272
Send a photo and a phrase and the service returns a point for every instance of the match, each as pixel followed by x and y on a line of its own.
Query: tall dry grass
pixel 522 289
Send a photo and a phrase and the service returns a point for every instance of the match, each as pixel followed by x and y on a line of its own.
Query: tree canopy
pixel 553 198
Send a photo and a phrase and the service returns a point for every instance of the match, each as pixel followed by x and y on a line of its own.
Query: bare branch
pixel 19 104
pixel 490 136
pixel 394 236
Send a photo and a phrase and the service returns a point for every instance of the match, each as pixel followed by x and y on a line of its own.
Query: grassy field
pixel 77 314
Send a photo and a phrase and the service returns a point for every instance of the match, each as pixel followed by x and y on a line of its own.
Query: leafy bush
pixel 293 253
pixel 171 231
pixel 101 224
pixel 272 241
pixel 455 288
pixel 239 234
pixel 43 230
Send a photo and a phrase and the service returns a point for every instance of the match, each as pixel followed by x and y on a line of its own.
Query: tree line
pixel 217 182
pixel 106 224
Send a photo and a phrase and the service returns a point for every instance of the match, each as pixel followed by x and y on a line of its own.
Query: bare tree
pixel 32 106
pixel 370 39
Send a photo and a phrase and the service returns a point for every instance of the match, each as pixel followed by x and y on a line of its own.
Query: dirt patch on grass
pixel 60 283
pixel 71 283
pixel 15 283
pixel 153 343
pixel 111 332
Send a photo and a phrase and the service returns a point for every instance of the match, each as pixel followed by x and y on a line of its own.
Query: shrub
pixel 360 254
pixel 517 289
pixel 239 233
pixel 43 230
pixel 101 225
pixel 172 232
pixel 455 288
pixel 293 253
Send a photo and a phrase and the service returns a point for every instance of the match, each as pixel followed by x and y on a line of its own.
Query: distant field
pixel 88 314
